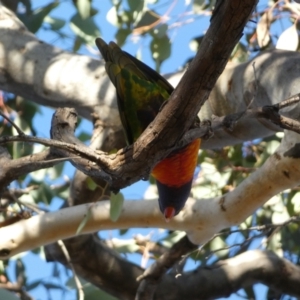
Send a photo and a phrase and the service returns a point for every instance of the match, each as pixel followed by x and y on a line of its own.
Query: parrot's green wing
pixel 140 90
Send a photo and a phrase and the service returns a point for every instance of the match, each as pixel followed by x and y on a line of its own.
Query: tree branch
pixel 102 166
pixel 96 94
pixel 199 219
pixel 227 277
pixel 221 279
pixel 12 169
pixel 152 276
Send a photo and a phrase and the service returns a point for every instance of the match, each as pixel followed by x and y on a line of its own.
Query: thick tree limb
pixel 152 276
pixel 12 169
pixel 220 280
pixel 57 75
pixel 232 274
pixel 223 205
pixel 101 166
pixel 107 269
pixel 200 219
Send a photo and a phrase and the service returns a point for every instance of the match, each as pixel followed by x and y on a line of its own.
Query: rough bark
pixel 65 79
pixel 176 116
pixel 200 219
pixel 219 280
pixel 229 207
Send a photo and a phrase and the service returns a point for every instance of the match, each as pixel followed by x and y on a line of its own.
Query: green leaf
pixel 274 243
pixel 135 5
pixel 34 21
pixel 148 18
pixel 272 147
pixel 91 184
pixel 296 202
pixel 116 3
pixel 85 29
pixel 77 44
pixel 27 198
pixel 55 23
pixel 23 125
pixel 161 31
pixel 83 222
pixel 122 35
pixel 2 267
pixel 39 175
pixel 126 17
pixel 217 244
pixel 21 148
pixel 29 109
pixel 116 205
pixel 84 136
pixel 55 171
pixel 161 48
pixel 84 8
pixel 172 238
pixel 198 6
pixel 4 294
pixel 63 193
pixel 112 17
pixel 42 194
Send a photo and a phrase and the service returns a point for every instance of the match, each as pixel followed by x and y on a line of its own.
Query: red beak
pixel 169 213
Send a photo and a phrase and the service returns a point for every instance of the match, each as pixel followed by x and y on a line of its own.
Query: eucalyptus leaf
pixel 172 238
pixel 148 18
pixel 55 23
pixel 34 21
pixel 160 48
pixel 84 8
pixel 198 6
pixel 116 205
pixel 85 29
pixel 83 222
pixel 135 5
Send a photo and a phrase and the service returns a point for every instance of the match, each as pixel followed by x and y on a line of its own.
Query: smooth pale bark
pixel 201 219
pixel 64 79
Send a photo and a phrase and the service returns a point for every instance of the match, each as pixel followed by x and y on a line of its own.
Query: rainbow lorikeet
pixel 140 93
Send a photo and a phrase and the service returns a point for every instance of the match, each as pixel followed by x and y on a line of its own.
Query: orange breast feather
pixel 178 168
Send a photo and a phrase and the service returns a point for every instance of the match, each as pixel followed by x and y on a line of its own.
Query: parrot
pixel 141 92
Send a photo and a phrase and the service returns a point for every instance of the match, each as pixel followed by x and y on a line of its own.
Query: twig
pixel 150 278
pixel 68 259
pixel 20 132
pixel 268 112
pixel 289 101
pixel 294 219
pixel 109 167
